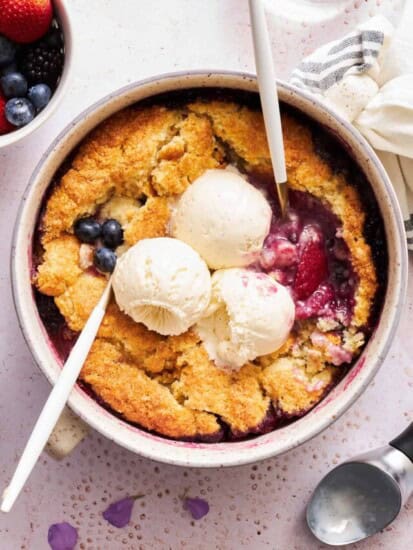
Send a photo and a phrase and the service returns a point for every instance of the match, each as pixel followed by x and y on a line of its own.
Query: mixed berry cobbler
pixel 329 251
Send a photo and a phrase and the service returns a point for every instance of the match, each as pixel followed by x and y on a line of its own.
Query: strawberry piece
pixel 5 126
pixel 312 263
pixel 25 21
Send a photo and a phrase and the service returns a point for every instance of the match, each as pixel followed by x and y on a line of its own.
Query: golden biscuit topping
pixel 131 168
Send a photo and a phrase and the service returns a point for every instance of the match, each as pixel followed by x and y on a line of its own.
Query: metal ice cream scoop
pixel 362 496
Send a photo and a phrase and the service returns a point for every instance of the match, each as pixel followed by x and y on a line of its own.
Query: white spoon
pixel 269 98
pixel 56 402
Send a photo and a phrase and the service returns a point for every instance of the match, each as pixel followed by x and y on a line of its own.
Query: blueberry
pixel 112 233
pixel 19 111
pixel 39 95
pixel 14 85
pixel 11 68
pixel 87 230
pixel 104 259
pixel 7 51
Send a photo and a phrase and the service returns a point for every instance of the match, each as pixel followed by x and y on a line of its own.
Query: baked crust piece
pixel 60 268
pixel 132 167
pixel 133 394
pixel 137 152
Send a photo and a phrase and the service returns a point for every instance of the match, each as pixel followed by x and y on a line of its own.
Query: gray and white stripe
pixel 357 53
pixel 328 65
pixel 408 225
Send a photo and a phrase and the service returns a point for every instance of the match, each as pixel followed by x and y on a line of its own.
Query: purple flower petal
pixel 119 513
pixel 197 506
pixel 62 536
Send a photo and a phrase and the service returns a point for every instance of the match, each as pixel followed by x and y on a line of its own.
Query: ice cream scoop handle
pixel 55 402
pixel 404 442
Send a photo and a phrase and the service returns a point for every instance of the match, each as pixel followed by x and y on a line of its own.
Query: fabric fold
pixel 366 77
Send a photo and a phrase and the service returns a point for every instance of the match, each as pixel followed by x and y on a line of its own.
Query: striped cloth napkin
pixel 367 76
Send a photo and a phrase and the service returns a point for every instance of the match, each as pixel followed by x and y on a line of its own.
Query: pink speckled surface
pixel 253 507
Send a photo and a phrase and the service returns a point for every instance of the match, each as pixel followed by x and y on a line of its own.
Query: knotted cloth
pixel 367 77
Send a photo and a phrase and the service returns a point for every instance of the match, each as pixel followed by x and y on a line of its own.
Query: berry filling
pixel 306 252
pixel 61 336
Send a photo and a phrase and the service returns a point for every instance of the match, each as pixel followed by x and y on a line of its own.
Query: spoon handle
pixel 55 402
pixel 267 85
pixel 404 442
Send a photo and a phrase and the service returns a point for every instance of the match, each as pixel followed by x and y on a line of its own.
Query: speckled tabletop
pixel 258 506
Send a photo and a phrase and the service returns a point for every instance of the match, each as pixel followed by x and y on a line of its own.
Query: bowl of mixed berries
pixel 34 53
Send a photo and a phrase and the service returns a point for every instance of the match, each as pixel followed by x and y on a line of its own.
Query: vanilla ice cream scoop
pixel 224 218
pixel 249 315
pixel 162 283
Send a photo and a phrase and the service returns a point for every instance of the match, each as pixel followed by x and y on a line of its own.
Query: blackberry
pixel 42 61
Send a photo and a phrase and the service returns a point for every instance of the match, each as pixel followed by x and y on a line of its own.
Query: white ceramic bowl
pixel 230 453
pixel 17 135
